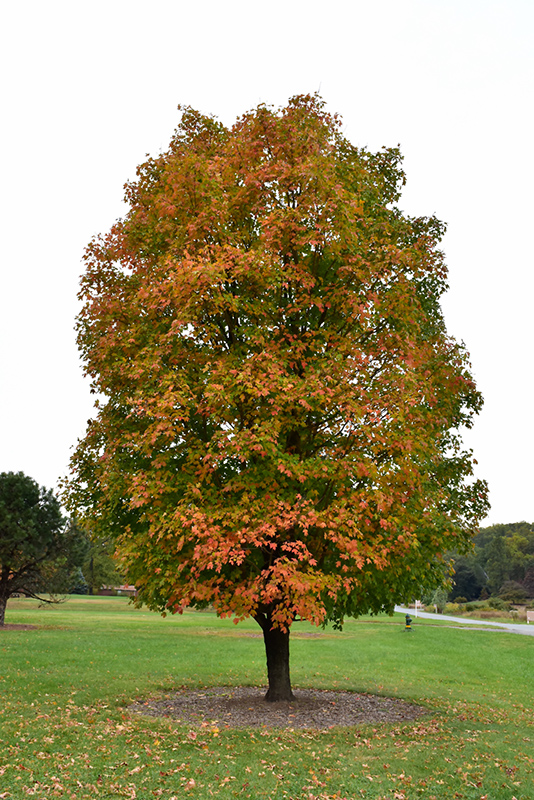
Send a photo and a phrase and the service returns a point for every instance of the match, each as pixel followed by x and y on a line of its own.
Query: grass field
pixel 65 730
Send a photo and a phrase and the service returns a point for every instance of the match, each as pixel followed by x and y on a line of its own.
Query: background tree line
pixel 44 554
pixel 98 568
pixel 502 564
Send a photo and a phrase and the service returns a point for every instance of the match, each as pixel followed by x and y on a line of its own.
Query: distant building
pixel 123 589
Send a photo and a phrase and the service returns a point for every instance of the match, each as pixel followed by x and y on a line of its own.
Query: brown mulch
pixel 244 707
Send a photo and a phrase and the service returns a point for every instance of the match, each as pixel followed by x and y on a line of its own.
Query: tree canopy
pixel 39 548
pixel 278 429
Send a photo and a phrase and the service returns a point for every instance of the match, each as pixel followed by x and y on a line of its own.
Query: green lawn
pixel 65 730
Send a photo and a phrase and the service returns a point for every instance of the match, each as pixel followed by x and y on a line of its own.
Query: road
pixel 526 630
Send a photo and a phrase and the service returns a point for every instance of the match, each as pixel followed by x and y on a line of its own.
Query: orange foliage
pixel 279 428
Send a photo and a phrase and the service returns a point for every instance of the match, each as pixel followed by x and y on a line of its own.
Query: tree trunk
pixel 3 603
pixel 277 652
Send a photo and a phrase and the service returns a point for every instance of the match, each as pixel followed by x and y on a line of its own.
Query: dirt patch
pixel 14 627
pixel 243 706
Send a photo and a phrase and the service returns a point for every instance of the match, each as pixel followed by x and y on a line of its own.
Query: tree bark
pixel 277 651
pixel 3 603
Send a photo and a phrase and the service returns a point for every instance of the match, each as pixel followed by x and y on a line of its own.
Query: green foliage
pixel 78 582
pixel 468 578
pixel 502 554
pixel 473 606
pixel 495 602
pixel 439 600
pixel 528 581
pixel 452 608
pixel 513 592
pixel 506 553
pixel 100 568
pixel 39 549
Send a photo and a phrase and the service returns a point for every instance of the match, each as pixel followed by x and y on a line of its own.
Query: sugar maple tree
pixel 278 435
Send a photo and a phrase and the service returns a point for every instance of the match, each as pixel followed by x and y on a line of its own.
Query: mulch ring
pixel 244 707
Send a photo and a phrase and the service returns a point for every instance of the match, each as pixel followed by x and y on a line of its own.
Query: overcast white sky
pixel 90 87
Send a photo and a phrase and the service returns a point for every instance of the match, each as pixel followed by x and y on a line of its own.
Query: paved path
pixel 527 630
